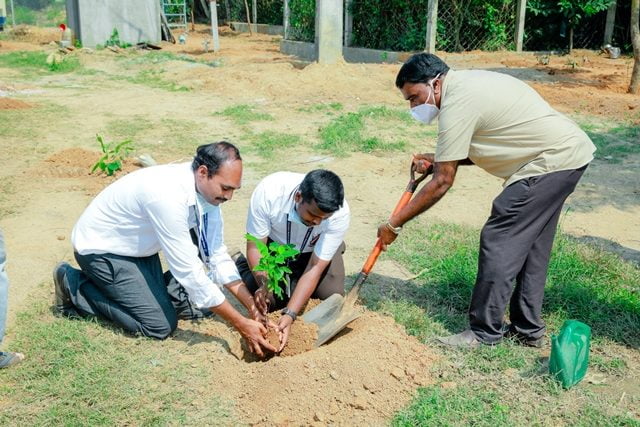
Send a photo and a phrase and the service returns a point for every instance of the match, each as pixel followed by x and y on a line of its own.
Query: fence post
pixel 348 22
pixel 611 21
pixel 521 10
pixel 285 19
pixel 432 26
pixel 214 25
pixel 329 30
pixel 254 5
pixel 13 15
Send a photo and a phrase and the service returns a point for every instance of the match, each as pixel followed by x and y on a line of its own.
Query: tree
pixel 575 10
pixel 634 87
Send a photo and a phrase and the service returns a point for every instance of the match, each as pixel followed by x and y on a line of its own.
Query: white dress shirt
pixel 273 200
pixel 152 209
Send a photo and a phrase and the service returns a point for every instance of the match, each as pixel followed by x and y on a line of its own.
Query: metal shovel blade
pixel 331 316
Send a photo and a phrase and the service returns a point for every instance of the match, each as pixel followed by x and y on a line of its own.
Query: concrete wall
pixel 93 21
pixel 274 30
pixel 307 51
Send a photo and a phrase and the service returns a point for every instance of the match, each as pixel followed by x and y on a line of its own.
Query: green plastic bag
pixel 570 353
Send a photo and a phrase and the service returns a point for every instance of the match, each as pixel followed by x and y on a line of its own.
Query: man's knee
pixel 161 328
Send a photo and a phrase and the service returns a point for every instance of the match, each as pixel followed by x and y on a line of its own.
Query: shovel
pixel 336 312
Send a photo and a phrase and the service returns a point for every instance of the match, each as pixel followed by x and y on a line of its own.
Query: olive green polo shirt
pixel 506 128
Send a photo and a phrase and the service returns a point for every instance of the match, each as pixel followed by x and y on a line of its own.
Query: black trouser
pixel 130 292
pixel 331 281
pixel 515 245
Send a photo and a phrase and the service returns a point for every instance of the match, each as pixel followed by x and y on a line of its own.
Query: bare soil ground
pixel 371 370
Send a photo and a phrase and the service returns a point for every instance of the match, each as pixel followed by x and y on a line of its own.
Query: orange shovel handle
pixel 404 200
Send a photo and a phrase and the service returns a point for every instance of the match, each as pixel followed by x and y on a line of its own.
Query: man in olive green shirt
pixel 502 125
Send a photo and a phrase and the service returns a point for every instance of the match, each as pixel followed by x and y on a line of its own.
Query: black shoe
pixel 64 306
pixel 524 340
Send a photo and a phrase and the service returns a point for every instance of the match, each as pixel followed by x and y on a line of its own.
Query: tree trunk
pixel 246 6
pixel 634 87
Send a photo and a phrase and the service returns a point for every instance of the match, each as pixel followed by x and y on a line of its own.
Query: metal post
pixel 432 26
pixel 348 23
pixel 254 5
pixel 611 21
pixel 13 14
pixel 214 25
pixel 521 10
pixel 285 19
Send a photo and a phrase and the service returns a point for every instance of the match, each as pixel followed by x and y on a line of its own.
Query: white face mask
pixel 294 216
pixel 426 112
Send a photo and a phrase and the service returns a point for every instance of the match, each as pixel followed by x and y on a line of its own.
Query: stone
pixel 334 375
pixel 397 373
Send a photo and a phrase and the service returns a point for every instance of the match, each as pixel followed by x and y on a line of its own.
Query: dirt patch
pixel 13 104
pixel 78 162
pixel 361 377
pixel 301 337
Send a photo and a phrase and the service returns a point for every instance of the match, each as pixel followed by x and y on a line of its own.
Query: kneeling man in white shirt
pixel 174 208
pixel 310 212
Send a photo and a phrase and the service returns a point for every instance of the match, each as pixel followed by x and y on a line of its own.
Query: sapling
pixel 273 261
pixel 112 155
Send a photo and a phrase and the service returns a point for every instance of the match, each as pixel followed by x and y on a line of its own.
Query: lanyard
pixel 202 233
pixel 306 236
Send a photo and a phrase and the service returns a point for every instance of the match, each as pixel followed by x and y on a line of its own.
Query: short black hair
pixel 213 155
pixel 420 68
pixel 325 188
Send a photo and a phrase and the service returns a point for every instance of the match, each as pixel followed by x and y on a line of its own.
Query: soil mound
pixel 77 162
pixel 13 104
pixel 301 337
pixel 361 377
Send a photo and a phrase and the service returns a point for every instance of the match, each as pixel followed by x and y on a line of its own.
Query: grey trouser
pixel 331 281
pixel 515 245
pixel 130 292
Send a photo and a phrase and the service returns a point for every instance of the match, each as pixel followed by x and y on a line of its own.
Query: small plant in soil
pixel 273 261
pixel 112 155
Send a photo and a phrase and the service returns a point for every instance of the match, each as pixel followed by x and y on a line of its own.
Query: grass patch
pixel 616 143
pixel 328 108
pixel 346 133
pixel 153 78
pixel 267 144
pixel 128 128
pixel 508 384
pixel 83 373
pixel 243 114
pixel 37 61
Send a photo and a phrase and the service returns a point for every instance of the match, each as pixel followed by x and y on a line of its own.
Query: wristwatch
pixel 289 313
pixel 395 230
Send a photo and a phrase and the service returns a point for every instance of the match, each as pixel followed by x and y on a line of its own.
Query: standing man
pixel 117 239
pixel 309 212
pixel 502 125
pixel 7 358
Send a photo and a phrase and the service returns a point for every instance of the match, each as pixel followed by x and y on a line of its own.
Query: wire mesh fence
pixel 41 13
pixel 470 25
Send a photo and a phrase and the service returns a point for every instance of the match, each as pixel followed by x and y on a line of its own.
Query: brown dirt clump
pixel 301 337
pixel 78 162
pixel 13 104
pixel 362 377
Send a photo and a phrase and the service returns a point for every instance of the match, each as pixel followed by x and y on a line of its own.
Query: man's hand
pixel 261 298
pixel 255 332
pixel 386 235
pixel 284 327
pixel 422 162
